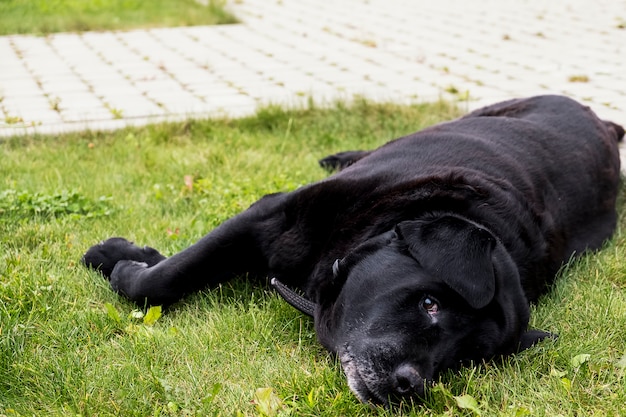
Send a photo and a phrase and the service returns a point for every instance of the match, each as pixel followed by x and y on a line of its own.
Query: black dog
pixel 418 256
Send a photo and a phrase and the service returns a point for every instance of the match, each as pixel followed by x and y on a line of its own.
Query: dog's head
pixel 423 298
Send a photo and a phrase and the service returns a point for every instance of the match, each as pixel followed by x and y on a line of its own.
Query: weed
pixel 367 42
pixel 55 103
pixel 117 113
pixel 11 120
pixel 25 204
pixel 578 79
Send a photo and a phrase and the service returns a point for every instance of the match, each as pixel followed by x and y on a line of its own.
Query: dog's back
pixel 551 164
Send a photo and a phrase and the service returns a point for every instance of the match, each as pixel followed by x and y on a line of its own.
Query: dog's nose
pixel 407 381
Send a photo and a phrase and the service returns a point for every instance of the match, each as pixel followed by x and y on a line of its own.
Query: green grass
pixel 50 16
pixel 69 346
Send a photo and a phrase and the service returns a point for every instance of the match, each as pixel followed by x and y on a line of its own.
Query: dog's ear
pixel 455 251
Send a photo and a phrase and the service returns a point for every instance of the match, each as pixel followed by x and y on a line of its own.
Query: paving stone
pixel 138 107
pixel 87 114
pixel 21 87
pixel 288 51
pixel 27 104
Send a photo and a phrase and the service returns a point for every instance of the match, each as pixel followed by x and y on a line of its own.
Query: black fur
pixel 443 238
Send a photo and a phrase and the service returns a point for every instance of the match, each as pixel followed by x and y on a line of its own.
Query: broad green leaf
pixel 210 397
pixel 137 314
pixel 310 398
pixel 580 359
pixel 112 312
pixel 440 388
pixel 267 402
pixel 164 384
pixel 467 402
pixel 153 314
pixel 567 384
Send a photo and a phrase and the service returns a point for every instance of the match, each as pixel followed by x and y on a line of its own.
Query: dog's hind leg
pixel 341 160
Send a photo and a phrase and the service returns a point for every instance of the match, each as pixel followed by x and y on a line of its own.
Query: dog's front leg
pixel 237 246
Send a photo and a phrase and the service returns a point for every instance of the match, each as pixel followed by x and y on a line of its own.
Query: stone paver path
pixel 291 51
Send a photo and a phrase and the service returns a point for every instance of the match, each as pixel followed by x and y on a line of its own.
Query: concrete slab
pixel 289 51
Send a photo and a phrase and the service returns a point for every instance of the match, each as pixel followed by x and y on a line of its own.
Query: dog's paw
pixel 103 256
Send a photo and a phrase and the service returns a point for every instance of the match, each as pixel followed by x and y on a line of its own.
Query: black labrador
pixel 421 255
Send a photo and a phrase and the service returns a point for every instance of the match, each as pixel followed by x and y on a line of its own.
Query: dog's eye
pixel 430 305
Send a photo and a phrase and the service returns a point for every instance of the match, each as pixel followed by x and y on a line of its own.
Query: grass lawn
pixel 69 346
pixel 48 16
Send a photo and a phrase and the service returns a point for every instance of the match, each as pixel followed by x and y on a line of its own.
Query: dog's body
pixel 442 238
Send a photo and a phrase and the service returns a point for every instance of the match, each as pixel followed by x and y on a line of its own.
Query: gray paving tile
pixel 288 51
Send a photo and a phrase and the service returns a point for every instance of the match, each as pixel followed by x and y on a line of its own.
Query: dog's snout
pixel 407 381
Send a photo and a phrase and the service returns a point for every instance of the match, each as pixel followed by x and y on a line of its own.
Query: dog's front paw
pixel 103 256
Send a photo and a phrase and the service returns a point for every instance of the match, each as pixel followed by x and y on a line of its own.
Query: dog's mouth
pixel 362 382
pixel 379 384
